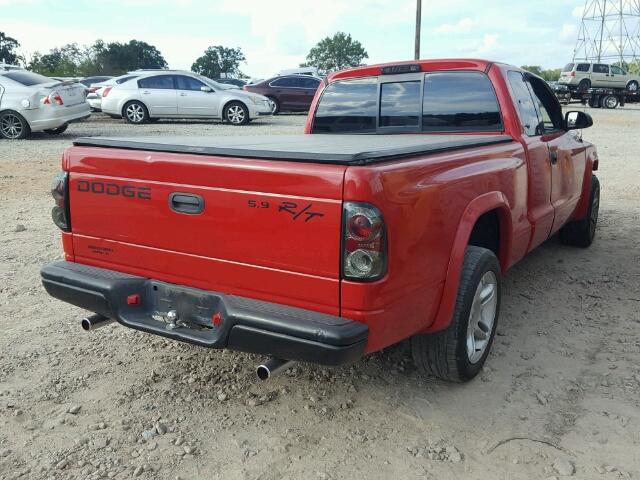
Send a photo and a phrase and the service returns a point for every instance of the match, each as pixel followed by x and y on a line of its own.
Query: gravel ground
pixel 560 394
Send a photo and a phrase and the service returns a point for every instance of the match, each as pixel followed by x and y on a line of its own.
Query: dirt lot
pixel 560 395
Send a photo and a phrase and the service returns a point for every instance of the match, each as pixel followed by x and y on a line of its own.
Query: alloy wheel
pixel 482 316
pixel 135 113
pixel 235 114
pixel 11 126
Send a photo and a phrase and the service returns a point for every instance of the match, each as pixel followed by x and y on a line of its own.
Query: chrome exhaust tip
pixel 272 367
pixel 95 321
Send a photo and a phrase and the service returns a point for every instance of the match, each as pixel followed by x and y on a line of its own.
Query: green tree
pixel 550 75
pixel 59 62
pixel 336 53
pixel 8 48
pixel 630 67
pixel 218 60
pixel 117 58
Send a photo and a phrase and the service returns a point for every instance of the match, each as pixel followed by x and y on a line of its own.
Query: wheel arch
pixel 489 209
pixel 127 102
pixel 229 102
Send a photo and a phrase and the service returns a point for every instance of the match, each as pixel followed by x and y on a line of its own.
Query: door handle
pixel 146 92
pixel 183 94
pixel 553 156
pixel 186 203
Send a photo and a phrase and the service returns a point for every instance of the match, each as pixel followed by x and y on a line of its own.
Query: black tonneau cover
pixel 337 149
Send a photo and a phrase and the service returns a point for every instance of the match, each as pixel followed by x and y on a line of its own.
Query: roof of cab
pixel 425 66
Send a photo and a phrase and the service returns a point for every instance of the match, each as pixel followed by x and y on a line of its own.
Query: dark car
pixel 290 93
pixel 88 81
pixel 231 81
pixel 561 91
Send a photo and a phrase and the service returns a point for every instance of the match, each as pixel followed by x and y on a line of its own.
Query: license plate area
pixel 182 307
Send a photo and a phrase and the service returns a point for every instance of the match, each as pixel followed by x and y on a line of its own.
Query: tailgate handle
pixel 186 203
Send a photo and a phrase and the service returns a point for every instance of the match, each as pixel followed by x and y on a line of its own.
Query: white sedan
pixel 181 94
pixel 30 102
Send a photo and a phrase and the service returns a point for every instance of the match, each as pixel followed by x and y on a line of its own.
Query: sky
pixel 278 34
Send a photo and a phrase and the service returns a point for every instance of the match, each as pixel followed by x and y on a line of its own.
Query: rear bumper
pixel 44 117
pixel 245 324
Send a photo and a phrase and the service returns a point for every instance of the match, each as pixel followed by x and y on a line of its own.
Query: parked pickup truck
pixel 413 190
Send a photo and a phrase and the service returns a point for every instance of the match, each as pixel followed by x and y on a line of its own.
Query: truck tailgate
pixel 264 229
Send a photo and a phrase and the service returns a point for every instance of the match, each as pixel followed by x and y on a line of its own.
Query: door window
pixel 459 102
pixel 583 67
pixel 286 82
pixel 400 104
pixel 162 82
pixel 524 100
pixel 600 68
pixel 188 83
pixel 617 70
pixel 548 106
pixel 311 83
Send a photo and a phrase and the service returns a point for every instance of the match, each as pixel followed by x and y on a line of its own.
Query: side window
pixel 188 83
pixel 600 68
pixel 311 83
pixel 582 67
pixel 285 82
pixel 348 106
pixel 400 104
pixel 617 70
pixel 459 102
pixel 526 107
pixel 161 82
pixel 548 105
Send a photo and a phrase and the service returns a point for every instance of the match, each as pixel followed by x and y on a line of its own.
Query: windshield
pixel 215 85
pixel 28 78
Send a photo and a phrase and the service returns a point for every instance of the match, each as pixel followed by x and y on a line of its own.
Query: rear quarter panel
pixel 423 201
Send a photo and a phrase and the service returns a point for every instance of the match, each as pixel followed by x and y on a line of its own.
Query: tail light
pixel 573 74
pixel 106 91
pixel 60 192
pixel 93 89
pixel 364 242
pixel 54 97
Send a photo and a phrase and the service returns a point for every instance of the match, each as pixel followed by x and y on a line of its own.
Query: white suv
pixel 581 76
pixel 181 94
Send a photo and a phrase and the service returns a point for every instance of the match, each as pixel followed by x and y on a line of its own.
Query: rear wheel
pixel 609 101
pixel 584 85
pixel 13 126
pixel 57 131
pixel 135 112
pixel 458 353
pixel 236 113
pixel 580 233
pixel 276 108
pixel 632 86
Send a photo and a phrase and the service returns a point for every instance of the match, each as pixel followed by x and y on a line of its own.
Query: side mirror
pixel 206 89
pixel 577 120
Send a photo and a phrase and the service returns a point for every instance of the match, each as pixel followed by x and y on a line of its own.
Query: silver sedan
pixel 33 103
pixel 181 94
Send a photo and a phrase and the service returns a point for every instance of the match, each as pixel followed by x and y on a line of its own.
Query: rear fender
pixel 583 204
pixel 475 209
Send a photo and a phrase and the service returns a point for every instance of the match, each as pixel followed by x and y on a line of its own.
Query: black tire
pixel 275 101
pixel 580 233
pixel 609 101
pixel 135 112
pixel 446 354
pixel 57 131
pixel 13 126
pixel 584 85
pixel 633 86
pixel 236 113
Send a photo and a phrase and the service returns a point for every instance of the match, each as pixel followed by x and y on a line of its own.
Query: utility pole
pixel 418 19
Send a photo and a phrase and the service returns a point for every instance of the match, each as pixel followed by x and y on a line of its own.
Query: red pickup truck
pixel 413 190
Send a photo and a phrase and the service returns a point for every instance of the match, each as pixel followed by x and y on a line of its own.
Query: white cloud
pixel 569 31
pixel 463 25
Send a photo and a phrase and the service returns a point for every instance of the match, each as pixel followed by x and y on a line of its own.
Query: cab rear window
pixel 568 67
pixel 433 102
